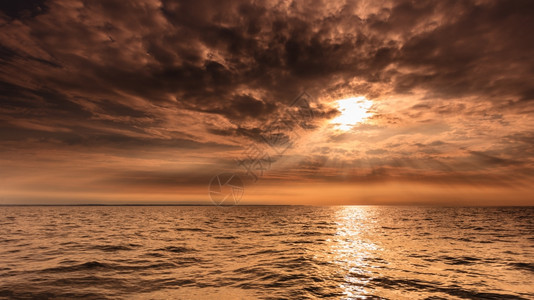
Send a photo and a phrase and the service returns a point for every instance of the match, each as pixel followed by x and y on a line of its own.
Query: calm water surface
pixel 284 252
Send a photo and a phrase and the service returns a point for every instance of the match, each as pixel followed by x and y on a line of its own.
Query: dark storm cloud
pixel 174 74
pixel 242 107
pixel 23 8
pixel 483 52
pixel 209 54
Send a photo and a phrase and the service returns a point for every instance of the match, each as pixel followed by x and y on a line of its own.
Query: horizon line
pixel 212 205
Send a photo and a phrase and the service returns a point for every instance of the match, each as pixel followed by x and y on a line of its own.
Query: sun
pixel 353 111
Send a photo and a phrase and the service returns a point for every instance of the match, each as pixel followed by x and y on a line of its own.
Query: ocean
pixel 266 252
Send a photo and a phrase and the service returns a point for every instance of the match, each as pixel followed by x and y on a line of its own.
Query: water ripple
pixel 266 253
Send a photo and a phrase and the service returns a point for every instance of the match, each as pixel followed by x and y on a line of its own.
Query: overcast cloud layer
pixel 113 96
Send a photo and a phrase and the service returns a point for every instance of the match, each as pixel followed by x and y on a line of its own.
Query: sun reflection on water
pixel 352 249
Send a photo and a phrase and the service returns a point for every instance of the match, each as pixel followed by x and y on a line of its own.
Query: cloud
pixel 451 82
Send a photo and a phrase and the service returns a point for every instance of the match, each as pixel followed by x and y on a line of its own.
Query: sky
pixel 306 102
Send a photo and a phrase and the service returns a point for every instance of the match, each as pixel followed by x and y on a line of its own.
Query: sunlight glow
pixel 353 111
